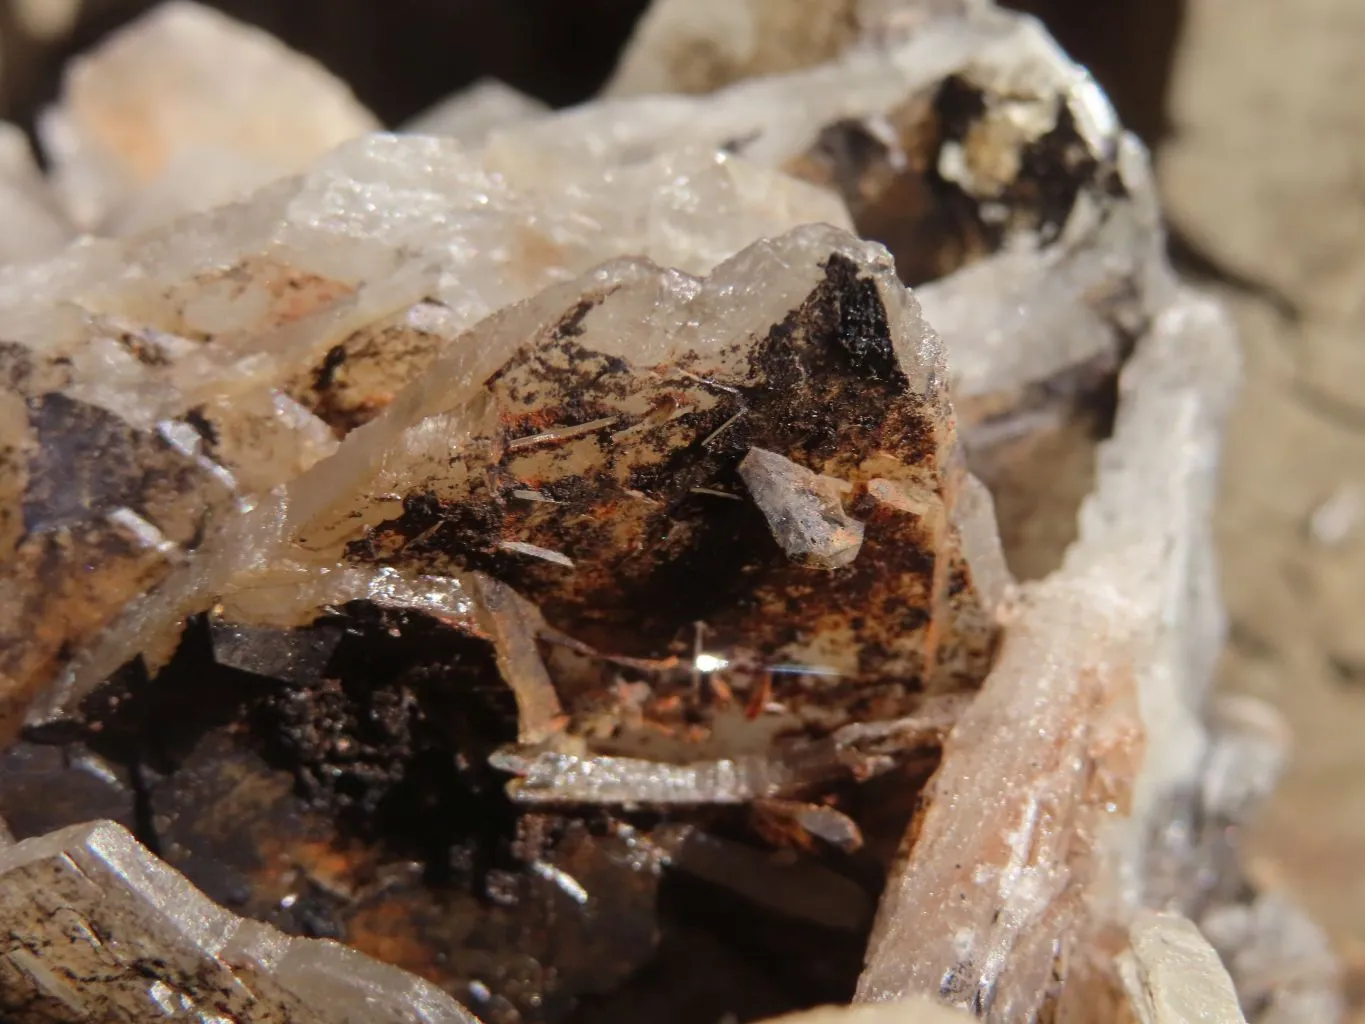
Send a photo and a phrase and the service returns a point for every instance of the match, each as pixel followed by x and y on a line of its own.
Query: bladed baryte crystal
pixel 558 557
pixel 636 434
pixel 1093 668
pixel 804 510
pixel 96 928
pixel 1172 974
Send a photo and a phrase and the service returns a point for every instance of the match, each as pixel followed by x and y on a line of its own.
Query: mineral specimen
pixel 1089 668
pixel 561 559
pixel 576 448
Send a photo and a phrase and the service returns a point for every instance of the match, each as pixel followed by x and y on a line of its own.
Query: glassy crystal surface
pixel 1094 668
pixel 98 929
pixel 990 165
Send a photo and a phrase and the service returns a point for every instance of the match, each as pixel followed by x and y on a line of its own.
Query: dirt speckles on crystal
pixel 643 466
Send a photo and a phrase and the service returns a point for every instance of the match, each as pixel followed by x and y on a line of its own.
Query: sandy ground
pixel 1266 172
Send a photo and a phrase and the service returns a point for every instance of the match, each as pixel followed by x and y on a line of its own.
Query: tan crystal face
pixel 101 511
pixel 359 377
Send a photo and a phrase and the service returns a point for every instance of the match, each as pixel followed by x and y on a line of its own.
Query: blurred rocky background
pixel 1254 108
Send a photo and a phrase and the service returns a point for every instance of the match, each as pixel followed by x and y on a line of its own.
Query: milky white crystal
pixel 34 227
pixel 1034 308
pixel 696 46
pixel 676 345
pixel 312 363
pixel 186 91
pixel 770 119
pixel 471 113
pixel 1021 315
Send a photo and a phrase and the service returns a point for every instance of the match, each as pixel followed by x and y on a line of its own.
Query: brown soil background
pixel 1256 109
pixel 1256 112
pixel 1265 171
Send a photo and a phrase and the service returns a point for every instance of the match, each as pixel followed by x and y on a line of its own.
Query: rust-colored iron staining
pixel 633 653
pixel 628 539
pixel 944 179
pixel 643 541
pixel 361 807
pixel 98 509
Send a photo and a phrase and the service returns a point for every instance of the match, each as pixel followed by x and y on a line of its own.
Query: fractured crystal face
pixel 97 511
pixel 618 413
pixel 1173 974
pixel 804 510
pixel 574 448
pixel 681 448
pixel 97 928
pixel 992 168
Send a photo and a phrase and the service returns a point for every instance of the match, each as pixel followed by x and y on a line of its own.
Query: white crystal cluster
pixel 278 326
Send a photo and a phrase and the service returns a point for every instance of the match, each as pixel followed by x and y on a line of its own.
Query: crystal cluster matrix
pixel 737 545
